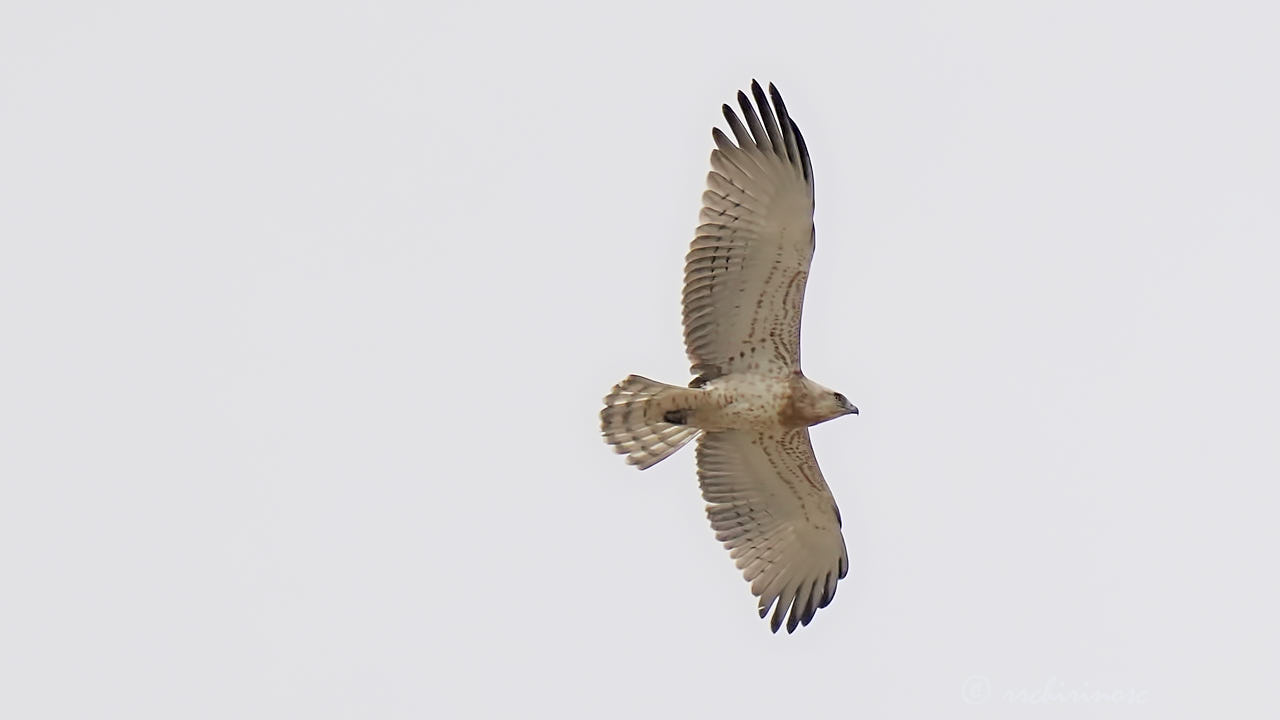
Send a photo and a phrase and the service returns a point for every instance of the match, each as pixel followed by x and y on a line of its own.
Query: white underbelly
pixel 742 401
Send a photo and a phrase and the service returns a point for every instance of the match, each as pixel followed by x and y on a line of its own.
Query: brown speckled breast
pixel 797 408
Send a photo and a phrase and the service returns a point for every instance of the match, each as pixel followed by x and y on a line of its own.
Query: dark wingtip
pixel 777 99
pixel 758 94
pixel 804 151
pixel 811 605
pixel 731 117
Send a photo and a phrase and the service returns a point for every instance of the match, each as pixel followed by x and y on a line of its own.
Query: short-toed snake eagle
pixel 749 405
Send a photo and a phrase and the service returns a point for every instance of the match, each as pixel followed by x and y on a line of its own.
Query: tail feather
pixel 633 420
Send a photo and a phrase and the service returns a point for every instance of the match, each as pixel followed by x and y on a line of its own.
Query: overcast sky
pixel 307 311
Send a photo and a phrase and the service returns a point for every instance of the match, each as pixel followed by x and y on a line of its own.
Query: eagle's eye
pixel 841 399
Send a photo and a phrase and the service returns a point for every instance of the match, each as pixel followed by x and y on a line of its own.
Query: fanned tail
pixel 635 420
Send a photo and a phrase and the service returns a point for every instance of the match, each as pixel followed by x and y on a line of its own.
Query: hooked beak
pixel 851 409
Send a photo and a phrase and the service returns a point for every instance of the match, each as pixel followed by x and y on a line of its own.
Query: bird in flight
pixel 749 405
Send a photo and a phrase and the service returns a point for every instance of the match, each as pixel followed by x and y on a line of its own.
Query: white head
pixel 818 404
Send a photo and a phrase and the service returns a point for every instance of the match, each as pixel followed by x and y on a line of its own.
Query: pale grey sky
pixel 308 309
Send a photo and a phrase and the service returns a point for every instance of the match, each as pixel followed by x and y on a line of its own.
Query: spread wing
pixel 770 506
pixel 745 273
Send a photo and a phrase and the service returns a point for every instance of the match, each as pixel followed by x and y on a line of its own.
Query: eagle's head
pixel 818 404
